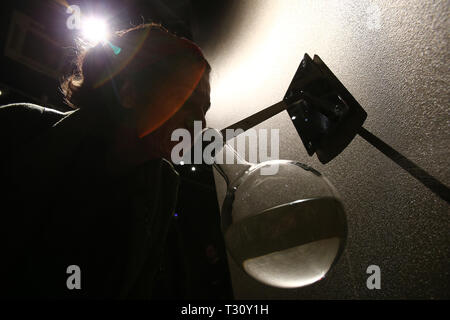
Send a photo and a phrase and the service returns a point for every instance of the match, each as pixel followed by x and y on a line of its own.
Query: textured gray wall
pixel 399 73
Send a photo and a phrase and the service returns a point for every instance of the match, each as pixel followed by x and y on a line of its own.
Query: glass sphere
pixel 282 221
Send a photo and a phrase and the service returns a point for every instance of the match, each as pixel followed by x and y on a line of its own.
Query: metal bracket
pixel 327 117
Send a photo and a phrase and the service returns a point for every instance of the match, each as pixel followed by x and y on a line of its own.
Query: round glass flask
pixel 282 221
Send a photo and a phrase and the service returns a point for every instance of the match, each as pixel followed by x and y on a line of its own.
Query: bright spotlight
pixel 94 30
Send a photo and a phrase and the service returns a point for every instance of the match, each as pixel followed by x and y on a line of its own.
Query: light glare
pixel 95 30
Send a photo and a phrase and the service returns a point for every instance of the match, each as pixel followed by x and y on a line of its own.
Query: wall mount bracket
pixel 327 117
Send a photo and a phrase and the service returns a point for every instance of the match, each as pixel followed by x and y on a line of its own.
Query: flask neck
pixel 228 162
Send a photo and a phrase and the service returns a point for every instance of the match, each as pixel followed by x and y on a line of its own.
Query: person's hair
pixel 99 71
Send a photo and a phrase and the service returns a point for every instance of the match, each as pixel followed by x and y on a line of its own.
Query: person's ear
pixel 128 96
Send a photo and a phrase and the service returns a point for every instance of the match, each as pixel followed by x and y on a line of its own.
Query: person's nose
pixel 200 116
pixel 203 119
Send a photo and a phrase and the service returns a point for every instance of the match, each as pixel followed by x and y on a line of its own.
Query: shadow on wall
pixel 414 170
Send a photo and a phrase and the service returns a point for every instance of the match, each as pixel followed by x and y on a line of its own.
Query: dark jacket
pixel 60 207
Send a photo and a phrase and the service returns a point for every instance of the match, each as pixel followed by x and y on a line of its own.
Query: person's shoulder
pixel 12 109
pixel 26 111
pixel 26 118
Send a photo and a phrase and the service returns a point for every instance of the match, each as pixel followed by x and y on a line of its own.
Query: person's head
pixel 160 79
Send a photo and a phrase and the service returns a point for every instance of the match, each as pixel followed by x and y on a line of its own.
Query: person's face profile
pixel 194 109
pixel 197 104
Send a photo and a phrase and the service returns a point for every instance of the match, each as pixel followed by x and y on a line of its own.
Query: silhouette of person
pixel 94 187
